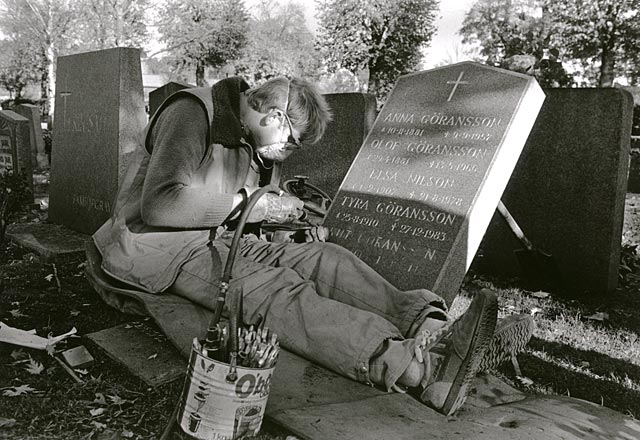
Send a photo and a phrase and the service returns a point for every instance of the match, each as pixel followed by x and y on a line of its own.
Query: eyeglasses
pixel 292 142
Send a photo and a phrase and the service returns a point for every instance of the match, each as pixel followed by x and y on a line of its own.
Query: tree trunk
pixel 51 79
pixel 200 74
pixel 607 67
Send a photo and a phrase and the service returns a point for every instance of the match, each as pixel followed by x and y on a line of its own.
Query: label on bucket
pixel 214 409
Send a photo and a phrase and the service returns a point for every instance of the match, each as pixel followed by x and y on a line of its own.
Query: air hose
pixel 214 338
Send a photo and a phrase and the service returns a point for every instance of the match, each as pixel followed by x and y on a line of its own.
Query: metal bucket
pixel 214 409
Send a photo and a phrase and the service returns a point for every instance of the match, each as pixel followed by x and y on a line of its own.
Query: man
pixel 204 152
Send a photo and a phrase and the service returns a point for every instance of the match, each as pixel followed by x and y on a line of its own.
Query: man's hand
pixel 273 208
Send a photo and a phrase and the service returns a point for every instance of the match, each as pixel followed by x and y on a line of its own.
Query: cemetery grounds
pixel 587 348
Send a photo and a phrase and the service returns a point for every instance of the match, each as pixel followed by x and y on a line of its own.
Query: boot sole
pixel 511 337
pixel 485 328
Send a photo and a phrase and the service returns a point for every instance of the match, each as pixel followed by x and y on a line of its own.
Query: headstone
pixel 15 146
pixel 99 117
pixel 327 162
pixel 567 192
pixel 39 157
pixel 157 96
pixel 423 187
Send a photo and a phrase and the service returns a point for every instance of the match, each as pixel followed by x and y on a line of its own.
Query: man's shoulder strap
pixel 202 94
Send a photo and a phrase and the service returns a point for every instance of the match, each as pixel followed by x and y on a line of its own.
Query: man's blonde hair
pixel 306 107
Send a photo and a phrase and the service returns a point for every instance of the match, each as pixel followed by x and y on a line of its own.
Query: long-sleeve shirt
pixel 181 181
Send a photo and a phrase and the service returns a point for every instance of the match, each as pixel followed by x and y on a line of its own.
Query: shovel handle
pixel 515 228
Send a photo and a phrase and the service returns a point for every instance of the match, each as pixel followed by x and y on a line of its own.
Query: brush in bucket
pixel 229 374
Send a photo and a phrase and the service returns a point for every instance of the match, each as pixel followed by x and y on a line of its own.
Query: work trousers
pixel 322 301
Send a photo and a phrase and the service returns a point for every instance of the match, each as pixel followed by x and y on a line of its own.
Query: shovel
pixel 537 265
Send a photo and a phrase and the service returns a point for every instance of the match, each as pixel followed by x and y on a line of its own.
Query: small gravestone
pixel 39 157
pixel 327 162
pixel 157 96
pixel 423 187
pixel 143 350
pixel 15 145
pixel 568 190
pixel 98 119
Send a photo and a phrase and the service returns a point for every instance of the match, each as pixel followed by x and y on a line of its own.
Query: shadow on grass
pixel 583 374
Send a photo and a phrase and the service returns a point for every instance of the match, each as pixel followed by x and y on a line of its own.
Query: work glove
pixel 273 208
pixel 314 233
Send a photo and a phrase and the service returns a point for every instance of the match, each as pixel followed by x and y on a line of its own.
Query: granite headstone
pixel 568 189
pixel 157 96
pixel 327 162
pixel 39 157
pixel 15 145
pixel 98 120
pixel 423 187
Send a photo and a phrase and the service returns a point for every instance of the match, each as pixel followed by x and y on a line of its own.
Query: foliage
pixel 279 43
pixel 601 33
pixel 504 29
pixel 19 66
pixel 200 33
pixel 43 25
pixel 601 36
pixel 516 35
pixel 14 196
pixel 103 24
pixel 384 37
pixel 629 274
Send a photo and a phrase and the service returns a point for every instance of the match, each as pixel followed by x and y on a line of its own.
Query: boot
pixel 511 336
pixel 452 363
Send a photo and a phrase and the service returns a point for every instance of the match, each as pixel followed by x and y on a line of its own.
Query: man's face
pixel 273 135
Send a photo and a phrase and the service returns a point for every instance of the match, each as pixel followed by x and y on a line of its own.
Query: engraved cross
pixel 456 83
pixel 64 107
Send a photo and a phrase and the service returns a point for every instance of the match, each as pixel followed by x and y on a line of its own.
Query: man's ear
pixel 274 117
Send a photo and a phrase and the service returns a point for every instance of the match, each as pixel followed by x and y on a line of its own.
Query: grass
pixel 587 348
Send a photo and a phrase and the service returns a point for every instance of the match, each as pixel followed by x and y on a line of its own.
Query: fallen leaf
pixel 18 354
pixel 117 400
pixel 127 433
pixel 540 294
pixel 585 364
pixel 34 367
pixel 79 371
pixel 18 391
pixel 153 356
pixel 525 381
pixel 600 316
pixel 74 313
pixel 16 313
pixel 96 412
pixel 7 423
pixel 535 310
pixel 109 434
pixel 100 399
pixel 49 277
pixel 81 265
pixel 99 426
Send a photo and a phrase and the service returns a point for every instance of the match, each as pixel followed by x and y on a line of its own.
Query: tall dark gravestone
pixel 15 145
pixel 99 116
pixel 568 189
pixel 327 162
pixel 38 155
pixel 157 96
pixel 423 187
